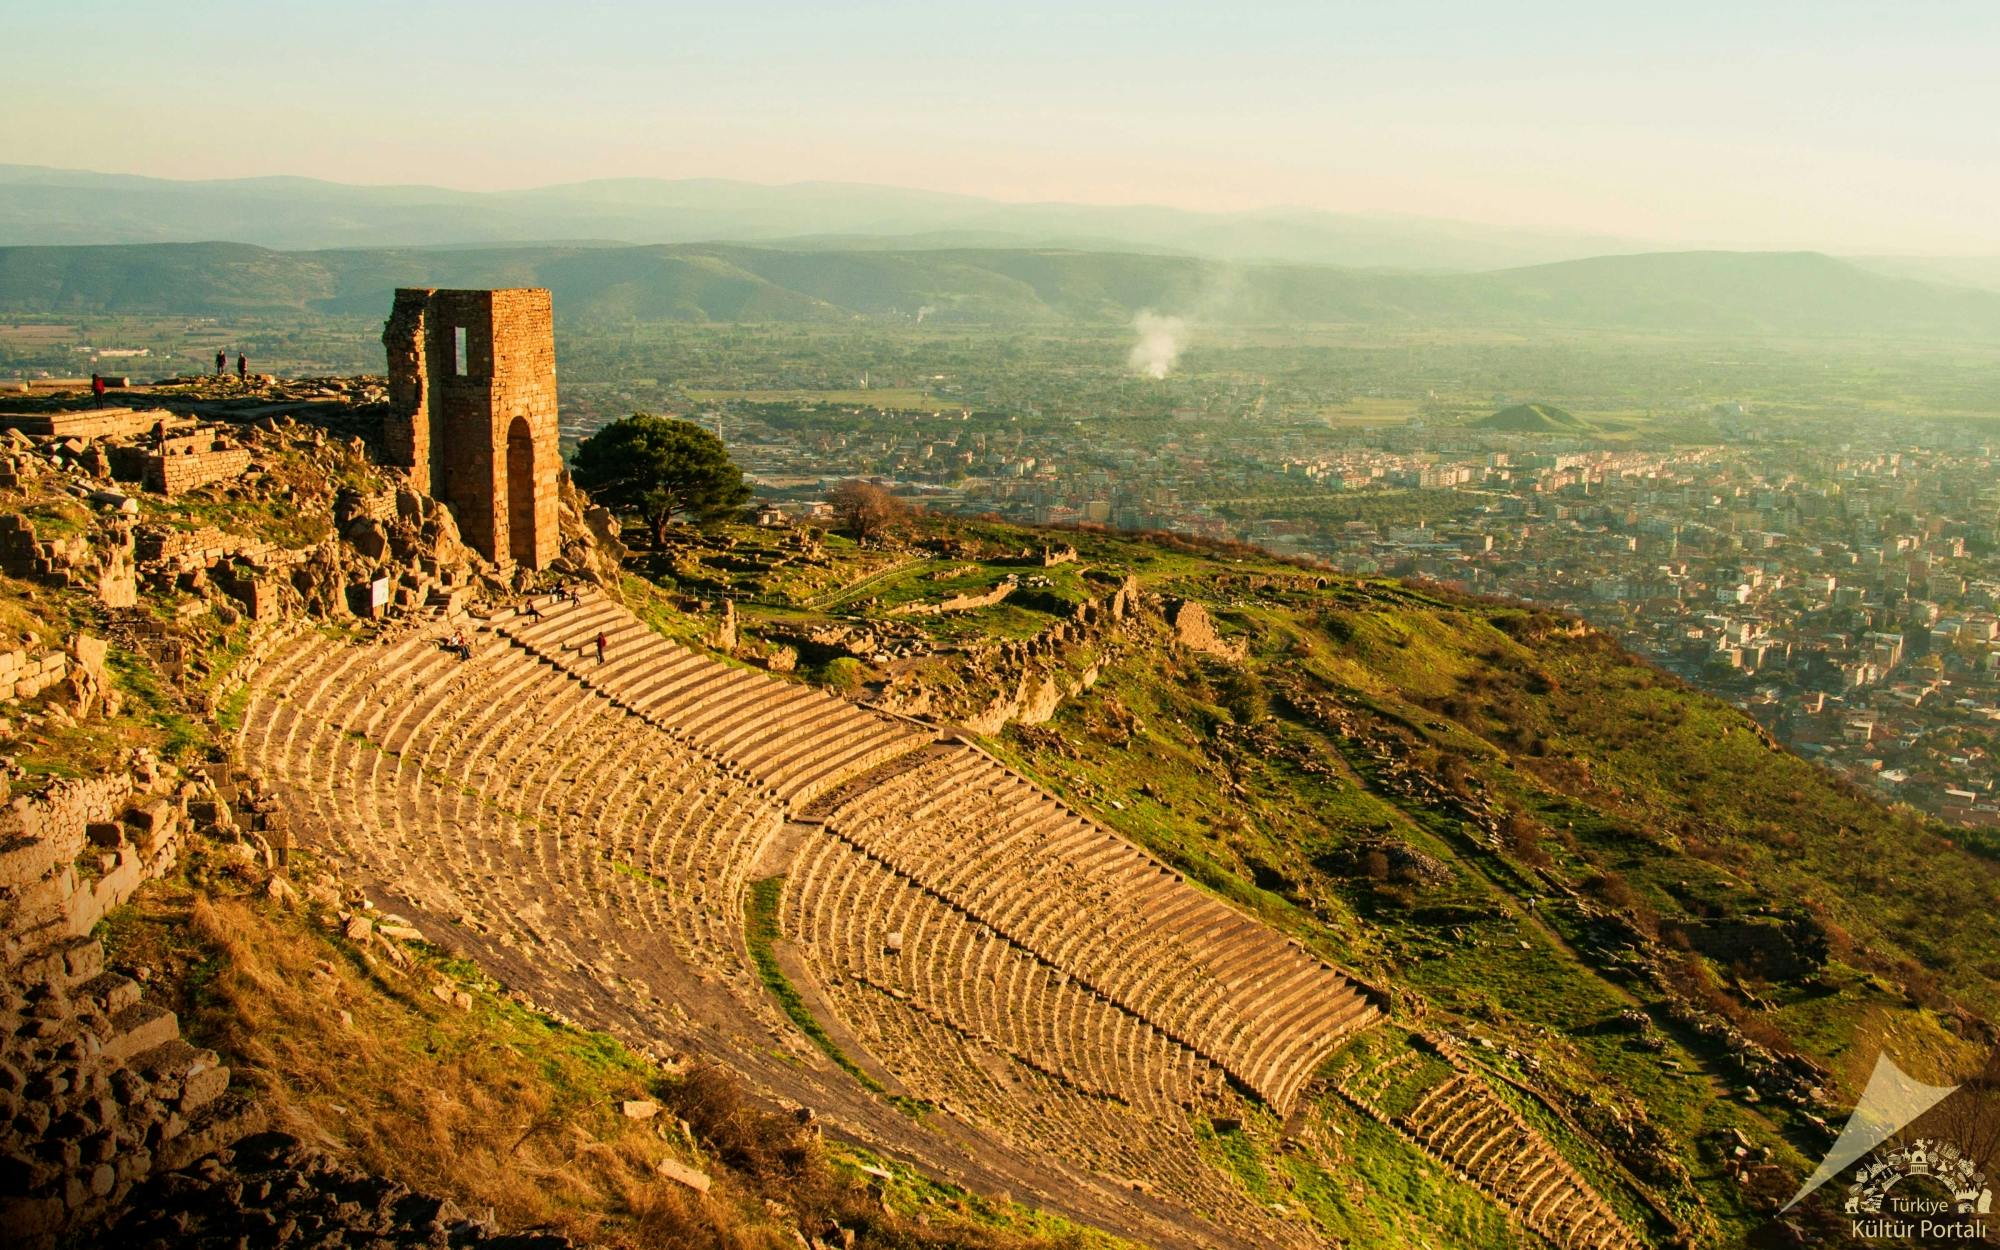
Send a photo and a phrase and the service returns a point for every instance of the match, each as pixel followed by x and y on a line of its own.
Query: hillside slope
pixel 1696 292
pixel 1174 888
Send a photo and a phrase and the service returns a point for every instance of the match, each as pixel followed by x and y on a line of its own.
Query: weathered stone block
pixel 139 1028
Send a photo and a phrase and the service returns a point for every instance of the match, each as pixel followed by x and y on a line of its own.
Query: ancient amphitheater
pixel 1028 1002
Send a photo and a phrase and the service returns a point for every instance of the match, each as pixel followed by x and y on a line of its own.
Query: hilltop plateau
pixel 954 884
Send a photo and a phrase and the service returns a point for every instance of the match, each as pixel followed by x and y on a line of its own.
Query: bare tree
pixel 1970 1118
pixel 865 509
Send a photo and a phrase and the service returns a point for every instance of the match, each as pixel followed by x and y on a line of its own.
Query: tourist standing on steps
pixel 600 646
pixel 221 361
pixel 242 369
pixel 97 390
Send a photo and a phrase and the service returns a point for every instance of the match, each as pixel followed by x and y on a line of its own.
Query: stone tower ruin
pixel 472 412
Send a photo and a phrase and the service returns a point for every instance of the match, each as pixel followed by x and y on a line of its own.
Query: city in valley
pixel 1838 578
pixel 1809 529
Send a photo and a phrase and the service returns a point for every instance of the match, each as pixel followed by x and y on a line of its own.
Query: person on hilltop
pixel 221 361
pixel 97 389
pixel 242 369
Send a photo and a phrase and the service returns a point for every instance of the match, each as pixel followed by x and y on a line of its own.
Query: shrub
pixel 842 673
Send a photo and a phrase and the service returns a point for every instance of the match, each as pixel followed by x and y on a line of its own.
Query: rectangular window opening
pixel 460 367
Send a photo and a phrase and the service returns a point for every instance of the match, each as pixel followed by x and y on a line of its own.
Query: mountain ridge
pixel 43 205
pixel 1792 293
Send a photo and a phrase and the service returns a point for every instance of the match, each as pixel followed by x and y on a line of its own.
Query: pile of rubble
pixel 272 1190
pixel 262 388
pixel 388 549
pixel 97 1089
pixel 107 1114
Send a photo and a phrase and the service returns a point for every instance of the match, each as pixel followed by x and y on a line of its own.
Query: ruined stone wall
pixel 23 676
pixel 43 899
pixel 102 563
pixel 1195 629
pixel 193 460
pixel 970 602
pixel 174 475
pixel 406 434
pixel 97 1086
pixel 472 393
pixel 164 550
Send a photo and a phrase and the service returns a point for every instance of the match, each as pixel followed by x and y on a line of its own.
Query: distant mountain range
pixel 1758 293
pixel 59 206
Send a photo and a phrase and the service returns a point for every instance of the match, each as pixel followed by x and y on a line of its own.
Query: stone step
pixel 139 1027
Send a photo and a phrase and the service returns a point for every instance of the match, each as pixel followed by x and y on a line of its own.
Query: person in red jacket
pixel 97 389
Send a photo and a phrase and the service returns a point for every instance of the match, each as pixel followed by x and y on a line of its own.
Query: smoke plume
pixel 1160 342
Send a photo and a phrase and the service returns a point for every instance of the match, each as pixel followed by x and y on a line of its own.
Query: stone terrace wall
pixel 175 470
pixel 23 676
pixel 90 422
pixel 183 551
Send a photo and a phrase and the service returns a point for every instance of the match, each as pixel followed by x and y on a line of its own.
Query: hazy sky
pixel 1825 124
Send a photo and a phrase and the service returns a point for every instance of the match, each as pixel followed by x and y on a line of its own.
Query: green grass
pixel 1238 1154
pixel 760 927
pixel 908 1191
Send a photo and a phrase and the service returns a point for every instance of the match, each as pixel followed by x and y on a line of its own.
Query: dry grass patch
pixel 419 1068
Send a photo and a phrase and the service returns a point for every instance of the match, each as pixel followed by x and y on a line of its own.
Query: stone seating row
pixel 501 793
pixel 857 919
pixel 1093 906
pixel 796 740
pixel 1461 1121
pixel 498 790
pixel 1040 1064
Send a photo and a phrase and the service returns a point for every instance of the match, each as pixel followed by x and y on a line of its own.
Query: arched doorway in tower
pixel 521 492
